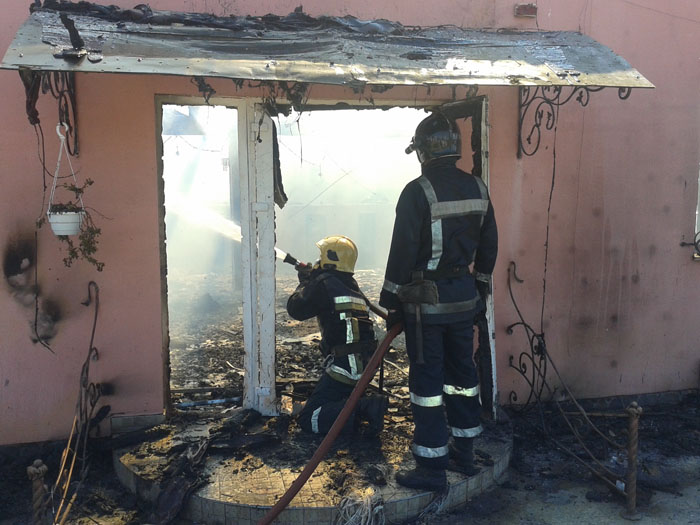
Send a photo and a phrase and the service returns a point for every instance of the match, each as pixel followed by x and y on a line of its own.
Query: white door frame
pixel 258 257
pixel 257 247
pixel 490 312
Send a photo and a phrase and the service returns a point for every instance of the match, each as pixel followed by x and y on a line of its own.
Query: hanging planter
pixel 68 215
pixel 65 222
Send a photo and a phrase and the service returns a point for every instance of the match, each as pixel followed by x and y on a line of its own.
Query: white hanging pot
pixel 65 219
pixel 65 222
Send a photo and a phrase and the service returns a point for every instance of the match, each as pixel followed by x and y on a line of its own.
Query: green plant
pixel 64 207
pixel 85 247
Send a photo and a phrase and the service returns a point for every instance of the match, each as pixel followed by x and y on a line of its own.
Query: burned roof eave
pixel 434 56
pixel 336 74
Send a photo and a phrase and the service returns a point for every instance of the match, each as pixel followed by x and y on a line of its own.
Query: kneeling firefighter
pixel 329 292
pixel 444 223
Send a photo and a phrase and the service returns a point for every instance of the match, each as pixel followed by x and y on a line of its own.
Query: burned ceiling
pixel 86 37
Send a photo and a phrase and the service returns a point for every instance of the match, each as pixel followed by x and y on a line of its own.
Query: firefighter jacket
pixel 347 332
pixel 444 223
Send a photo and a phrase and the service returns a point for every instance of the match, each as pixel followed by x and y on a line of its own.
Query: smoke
pixel 342 170
pixel 199 147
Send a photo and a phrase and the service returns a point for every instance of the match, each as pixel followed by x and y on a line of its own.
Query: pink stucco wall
pixel 619 314
pixel 621 292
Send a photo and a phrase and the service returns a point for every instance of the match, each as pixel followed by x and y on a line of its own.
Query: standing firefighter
pixel 444 223
pixel 329 292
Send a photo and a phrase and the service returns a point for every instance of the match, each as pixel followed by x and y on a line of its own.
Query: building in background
pixel 599 214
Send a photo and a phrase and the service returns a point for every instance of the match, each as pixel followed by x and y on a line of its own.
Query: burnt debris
pixel 295 21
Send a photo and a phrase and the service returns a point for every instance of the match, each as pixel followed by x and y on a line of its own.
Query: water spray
pixel 200 215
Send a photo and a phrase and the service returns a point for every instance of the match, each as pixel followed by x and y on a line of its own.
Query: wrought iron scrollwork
pixel 532 363
pixel 532 366
pixel 61 86
pixel 539 109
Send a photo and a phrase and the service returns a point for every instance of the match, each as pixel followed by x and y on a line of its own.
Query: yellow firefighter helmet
pixel 337 253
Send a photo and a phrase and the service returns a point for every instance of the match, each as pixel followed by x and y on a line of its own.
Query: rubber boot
pixel 424 478
pixel 372 410
pixel 462 456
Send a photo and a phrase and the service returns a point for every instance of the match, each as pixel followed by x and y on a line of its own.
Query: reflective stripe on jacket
pixel 343 316
pixel 444 220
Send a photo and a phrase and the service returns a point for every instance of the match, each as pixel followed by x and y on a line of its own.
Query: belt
pixel 442 273
pixel 359 347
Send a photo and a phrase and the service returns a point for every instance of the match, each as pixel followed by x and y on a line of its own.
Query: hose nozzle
pixel 290 260
pixel 294 262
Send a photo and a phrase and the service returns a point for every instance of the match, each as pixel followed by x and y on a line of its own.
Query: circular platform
pixel 241 488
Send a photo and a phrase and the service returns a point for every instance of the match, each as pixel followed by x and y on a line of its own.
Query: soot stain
pixel 19 256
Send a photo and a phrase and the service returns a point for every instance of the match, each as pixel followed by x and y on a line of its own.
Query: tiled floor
pixel 241 494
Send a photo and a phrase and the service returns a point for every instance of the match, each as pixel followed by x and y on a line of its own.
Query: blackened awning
pixel 328 50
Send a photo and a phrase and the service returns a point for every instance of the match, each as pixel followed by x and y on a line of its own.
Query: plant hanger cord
pixel 62 147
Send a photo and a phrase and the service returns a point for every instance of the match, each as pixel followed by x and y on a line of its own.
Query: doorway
pixel 202 244
pixel 342 172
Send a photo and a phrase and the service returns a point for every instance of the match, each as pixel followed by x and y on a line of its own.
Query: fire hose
pixel 336 428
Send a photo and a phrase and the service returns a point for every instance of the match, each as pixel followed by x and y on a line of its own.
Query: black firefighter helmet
pixel 436 136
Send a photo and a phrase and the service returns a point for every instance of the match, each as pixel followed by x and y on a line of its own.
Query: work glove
pixel 393 318
pixel 484 289
pixel 304 272
pixel 480 320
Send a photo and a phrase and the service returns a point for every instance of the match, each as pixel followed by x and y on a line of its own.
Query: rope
pixel 633 411
pixel 367 509
pixel 435 507
pixel 36 473
pixel 62 147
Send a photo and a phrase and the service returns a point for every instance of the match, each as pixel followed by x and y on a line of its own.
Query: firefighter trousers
pixel 324 405
pixel 444 390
